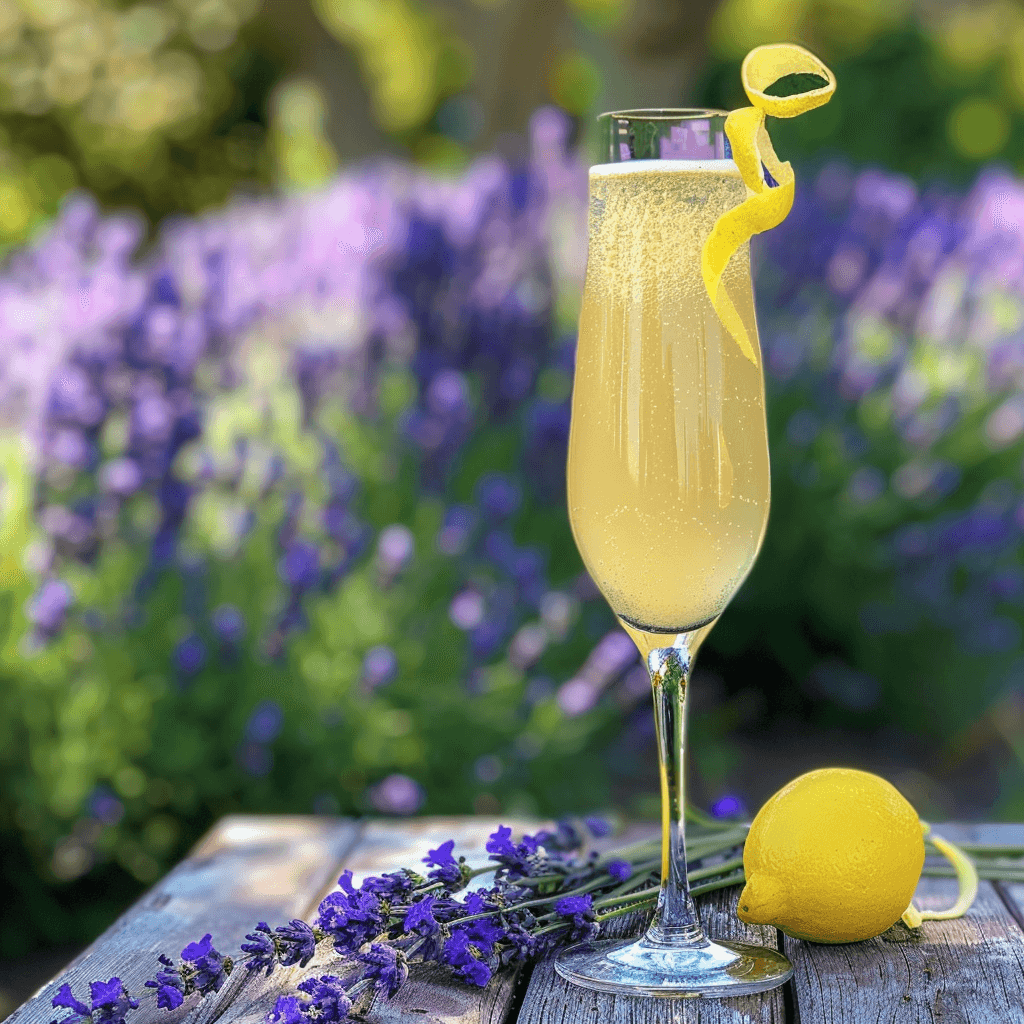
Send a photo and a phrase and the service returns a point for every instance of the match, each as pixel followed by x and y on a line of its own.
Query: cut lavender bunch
pixel 546 893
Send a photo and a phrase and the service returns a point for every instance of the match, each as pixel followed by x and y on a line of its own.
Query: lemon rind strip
pixel 967 883
pixel 765 207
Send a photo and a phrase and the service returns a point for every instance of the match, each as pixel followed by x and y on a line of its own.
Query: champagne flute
pixel 668 482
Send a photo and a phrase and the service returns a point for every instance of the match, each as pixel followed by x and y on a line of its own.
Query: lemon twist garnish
pixel 967 881
pixel 765 207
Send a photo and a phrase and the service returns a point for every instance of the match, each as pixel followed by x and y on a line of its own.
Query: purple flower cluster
pixel 109 1003
pixel 444 867
pixel 350 916
pixel 202 969
pixel 289 944
pixel 169 985
pixel 473 937
pixel 103 361
pixel 516 859
pixel 580 911
pixel 911 276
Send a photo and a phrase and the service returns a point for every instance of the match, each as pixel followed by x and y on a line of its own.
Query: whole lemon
pixel 834 856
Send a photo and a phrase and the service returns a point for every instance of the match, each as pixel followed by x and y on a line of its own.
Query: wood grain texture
pixel 968 971
pixel 245 870
pixel 430 996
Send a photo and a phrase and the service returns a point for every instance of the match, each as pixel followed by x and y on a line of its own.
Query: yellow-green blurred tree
pixel 157 104
pixel 168 105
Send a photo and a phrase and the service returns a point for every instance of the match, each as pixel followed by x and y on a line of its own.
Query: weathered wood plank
pixel 430 996
pixel 994 834
pixel 969 971
pixel 245 869
pixel 551 1000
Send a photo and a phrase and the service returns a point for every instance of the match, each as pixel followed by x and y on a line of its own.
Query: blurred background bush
pixel 287 323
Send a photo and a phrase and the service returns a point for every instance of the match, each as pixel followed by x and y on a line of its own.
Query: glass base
pixel 638 967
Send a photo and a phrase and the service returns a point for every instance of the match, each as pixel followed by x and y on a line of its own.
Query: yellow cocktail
pixel 668 475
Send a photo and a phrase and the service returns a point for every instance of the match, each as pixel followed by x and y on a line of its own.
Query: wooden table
pixel 276 868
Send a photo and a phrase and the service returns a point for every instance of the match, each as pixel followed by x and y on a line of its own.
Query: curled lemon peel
pixel 764 207
pixel 967 881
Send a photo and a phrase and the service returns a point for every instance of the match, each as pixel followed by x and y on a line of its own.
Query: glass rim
pixel 663 114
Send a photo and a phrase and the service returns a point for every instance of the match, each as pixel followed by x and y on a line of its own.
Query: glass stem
pixel 676 922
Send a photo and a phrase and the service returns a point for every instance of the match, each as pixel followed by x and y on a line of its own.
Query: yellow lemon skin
pixel 834 856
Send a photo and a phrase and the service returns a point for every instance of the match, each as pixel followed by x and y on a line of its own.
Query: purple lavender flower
pixel 261 949
pixel 420 918
pixel 519 941
pixel 79 1011
pixel 448 395
pixel 727 806
pixel 393 886
pixel 599 827
pixel 329 1000
pixel 385 965
pixel 456 531
pixel 110 1003
pixel 351 917
pixel 106 807
pixel 514 858
pixel 579 910
pixel 380 666
pixel 171 988
pixel 265 723
pixel 190 655
pixel 564 839
pixel 445 867
pixel 498 495
pixel 121 477
pixel 300 566
pixel 49 606
pixel 395 547
pixel 209 969
pixel 466 959
pixel 297 943
pixel 228 624
pixel 397 794
pixel 288 1010
pixel 620 870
